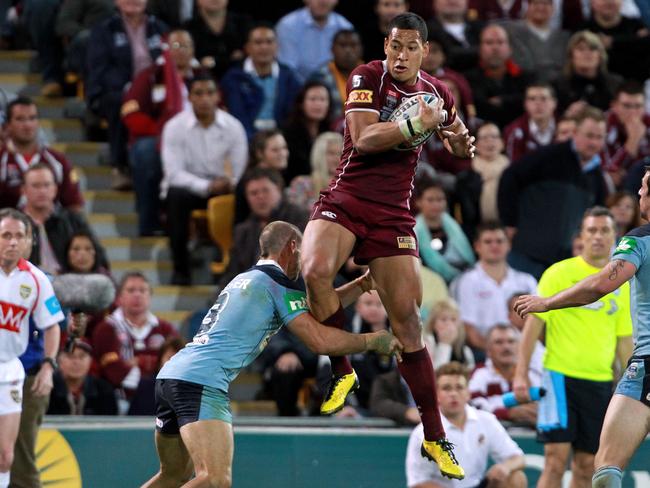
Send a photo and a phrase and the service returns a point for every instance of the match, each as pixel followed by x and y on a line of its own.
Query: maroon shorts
pixel 381 231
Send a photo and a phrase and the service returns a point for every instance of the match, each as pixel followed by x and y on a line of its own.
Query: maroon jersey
pixel 615 155
pixel 385 177
pixel 13 165
pixel 118 346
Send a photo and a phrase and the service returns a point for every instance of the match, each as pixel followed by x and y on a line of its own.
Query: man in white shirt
pixel 483 291
pixel 24 291
pixel 477 435
pixel 204 154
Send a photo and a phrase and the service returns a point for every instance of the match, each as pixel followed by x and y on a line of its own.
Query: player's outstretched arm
pixel 321 339
pixel 371 136
pixel 349 292
pixel 457 139
pixel 584 292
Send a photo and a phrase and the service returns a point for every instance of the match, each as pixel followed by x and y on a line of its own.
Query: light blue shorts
pixel 635 382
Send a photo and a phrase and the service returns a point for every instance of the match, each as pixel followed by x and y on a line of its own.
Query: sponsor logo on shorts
pixel 356 81
pixel 295 301
pixel 328 214
pixel 627 245
pixel 360 96
pixel 632 371
pixel 25 291
pixel 647 397
pixel 406 242
pixel 15 396
pixel 159 423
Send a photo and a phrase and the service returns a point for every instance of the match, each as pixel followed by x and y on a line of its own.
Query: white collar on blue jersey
pixel 272 262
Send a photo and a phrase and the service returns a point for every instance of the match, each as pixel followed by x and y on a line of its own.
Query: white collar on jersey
pixel 272 262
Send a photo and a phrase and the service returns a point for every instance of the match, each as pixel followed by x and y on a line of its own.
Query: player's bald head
pixel 276 235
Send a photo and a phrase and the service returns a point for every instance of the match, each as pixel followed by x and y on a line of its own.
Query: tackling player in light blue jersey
pixel 628 416
pixel 193 419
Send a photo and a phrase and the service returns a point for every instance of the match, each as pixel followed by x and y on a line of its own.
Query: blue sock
pixel 607 477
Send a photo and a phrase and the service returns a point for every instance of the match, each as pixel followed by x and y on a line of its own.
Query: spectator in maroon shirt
pixel 536 127
pixel 126 344
pixel 23 150
pixel 628 131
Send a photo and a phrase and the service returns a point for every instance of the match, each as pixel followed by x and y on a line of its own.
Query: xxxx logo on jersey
pixel 11 315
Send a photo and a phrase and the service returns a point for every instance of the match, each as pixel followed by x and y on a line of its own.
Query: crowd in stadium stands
pixel 210 97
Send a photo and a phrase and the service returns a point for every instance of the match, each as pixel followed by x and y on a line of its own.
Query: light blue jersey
pixel 635 248
pixel 253 307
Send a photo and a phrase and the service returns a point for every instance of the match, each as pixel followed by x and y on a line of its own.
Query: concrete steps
pixel 21 83
pixel 111 225
pixel 136 248
pixel 111 214
pixel 68 130
pixel 157 272
pixel 169 298
pixel 18 62
pixel 82 154
pixel 100 201
pixel 95 178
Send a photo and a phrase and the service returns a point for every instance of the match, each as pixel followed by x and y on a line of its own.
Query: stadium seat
pixel 221 220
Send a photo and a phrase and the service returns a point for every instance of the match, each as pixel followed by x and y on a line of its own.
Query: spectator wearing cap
pixel 204 154
pixel 157 94
pixel 305 35
pixel 498 83
pixel 23 150
pixel 260 90
pixel 537 46
pixel 536 127
pixel 76 391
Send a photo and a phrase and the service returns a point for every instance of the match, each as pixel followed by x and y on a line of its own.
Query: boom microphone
pixel 87 293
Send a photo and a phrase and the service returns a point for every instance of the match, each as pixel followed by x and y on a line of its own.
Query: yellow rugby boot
pixel 442 453
pixel 339 388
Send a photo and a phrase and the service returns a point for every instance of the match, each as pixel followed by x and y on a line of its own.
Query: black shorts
pixel 586 403
pixel 180 402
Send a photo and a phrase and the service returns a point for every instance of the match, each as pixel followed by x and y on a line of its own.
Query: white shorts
pixel 12 376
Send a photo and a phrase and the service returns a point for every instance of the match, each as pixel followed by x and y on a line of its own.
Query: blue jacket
pixel 244 97
pixel 109 60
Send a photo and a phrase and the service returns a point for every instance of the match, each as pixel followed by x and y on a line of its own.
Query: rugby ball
pixel 410 108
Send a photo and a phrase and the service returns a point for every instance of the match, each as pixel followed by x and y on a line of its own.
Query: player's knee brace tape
pixel 607 477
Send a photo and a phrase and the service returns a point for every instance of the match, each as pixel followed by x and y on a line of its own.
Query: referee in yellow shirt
pixel 582 344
